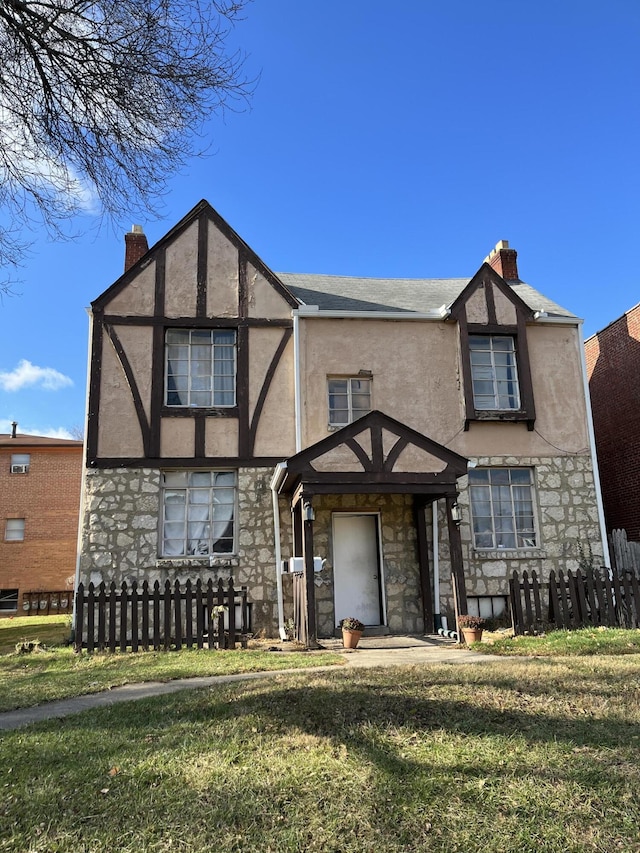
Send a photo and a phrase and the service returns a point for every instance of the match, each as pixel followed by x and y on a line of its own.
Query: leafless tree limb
pixel 101 101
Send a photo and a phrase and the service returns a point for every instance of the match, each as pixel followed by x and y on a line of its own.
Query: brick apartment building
pixel 39 503
pixel 613 368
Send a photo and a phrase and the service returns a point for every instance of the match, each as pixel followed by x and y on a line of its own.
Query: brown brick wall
pixel 48 498
pixel 613 368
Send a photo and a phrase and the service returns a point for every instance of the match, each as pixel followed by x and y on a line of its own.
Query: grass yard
pixel 586 641
pixel 58 673
pixel 535 755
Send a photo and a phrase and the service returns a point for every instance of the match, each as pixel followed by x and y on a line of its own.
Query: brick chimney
pixel 503 260
pixel 135 246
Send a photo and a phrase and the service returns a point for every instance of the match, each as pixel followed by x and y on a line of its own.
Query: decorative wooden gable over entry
pixel 372 455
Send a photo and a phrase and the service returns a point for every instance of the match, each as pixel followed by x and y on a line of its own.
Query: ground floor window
pixel 198 513
pixel 8 600
pixel 502 508
pixel 14 530
pixel 487 606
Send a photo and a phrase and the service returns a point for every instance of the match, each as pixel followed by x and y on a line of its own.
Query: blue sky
pixel 385 140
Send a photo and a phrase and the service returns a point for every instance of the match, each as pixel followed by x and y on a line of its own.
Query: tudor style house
pixel 410 442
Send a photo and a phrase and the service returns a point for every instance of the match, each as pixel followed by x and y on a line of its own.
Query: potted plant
pixel 352 629
pixel 471 627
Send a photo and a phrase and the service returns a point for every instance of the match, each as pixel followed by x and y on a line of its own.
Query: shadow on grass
pixel 435 755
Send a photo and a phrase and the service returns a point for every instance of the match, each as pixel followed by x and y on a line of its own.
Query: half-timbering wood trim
pixel 492 329
pixel 486 274
pixel 243 292
pixel 199 412
pixel 457 564
pixel 133 387
pixel 95 372
pixel 491 304
pixel 394 453
pixel 199 425
pixel 184 462
pixel 242 391
pixel 266 385
pixel 398 487
pixel 423 564
pixel 201 287
pixel 467 381
pixel 361 453
pixel 524 374
pixel 157 359
pixel 198 322
pixel 203 208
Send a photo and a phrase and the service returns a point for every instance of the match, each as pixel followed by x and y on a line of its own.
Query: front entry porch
pixel 358 502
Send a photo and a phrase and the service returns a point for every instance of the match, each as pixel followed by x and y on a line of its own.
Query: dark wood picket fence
pixel 579 599
pixel 201 615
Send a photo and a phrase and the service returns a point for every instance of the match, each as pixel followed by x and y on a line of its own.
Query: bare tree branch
pixel 101 101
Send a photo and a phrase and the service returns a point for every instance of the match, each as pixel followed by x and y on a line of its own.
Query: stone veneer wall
pixel 399 551
pixel 567 519
pixel 122 511
pixel 120 530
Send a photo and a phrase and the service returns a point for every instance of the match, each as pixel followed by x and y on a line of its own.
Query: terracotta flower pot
pixel 350 639
pixel 472 635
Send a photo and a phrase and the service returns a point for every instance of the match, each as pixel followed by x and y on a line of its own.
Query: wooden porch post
pixel 419 506
pixel 457 567
pixel 307 553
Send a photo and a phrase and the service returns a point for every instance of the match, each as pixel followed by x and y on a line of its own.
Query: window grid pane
pixel 200 367
pixel 502 512
pixel 14 530
pixel 349 399
pixel 199 519
pixel 494 372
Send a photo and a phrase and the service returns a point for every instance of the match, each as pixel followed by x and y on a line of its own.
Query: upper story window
pixel 494 372
pixel 199 510
pixel 502 508
pixel 349 399
pixel 200 367
pixel 14 530
pixel 20 463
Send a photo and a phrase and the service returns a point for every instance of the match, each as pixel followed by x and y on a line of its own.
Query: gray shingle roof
pixel 345 293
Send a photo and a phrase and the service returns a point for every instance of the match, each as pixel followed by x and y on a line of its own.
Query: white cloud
pixel 49 432
pixel 27 374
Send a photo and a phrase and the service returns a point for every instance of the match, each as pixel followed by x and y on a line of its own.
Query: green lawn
pixel 535 755
pixel 57 672
pixel 586 641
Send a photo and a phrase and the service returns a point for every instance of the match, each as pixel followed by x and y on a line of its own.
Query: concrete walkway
pixel 371 652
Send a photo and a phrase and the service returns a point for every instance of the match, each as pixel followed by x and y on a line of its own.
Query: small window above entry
pixel 349 399
pixel 20 463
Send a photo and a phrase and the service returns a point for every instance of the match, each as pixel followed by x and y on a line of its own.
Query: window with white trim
pixel 8 600
pixel 502 508
pixel 14 530
pixel 200 367
pixel 199 510
pixel 20 463
pixel 349 399
pixel 494 372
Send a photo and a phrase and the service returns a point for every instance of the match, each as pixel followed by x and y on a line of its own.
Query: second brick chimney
pixel 503 260
pixel 135 246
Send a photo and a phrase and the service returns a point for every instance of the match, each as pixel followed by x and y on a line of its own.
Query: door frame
pixel 381 579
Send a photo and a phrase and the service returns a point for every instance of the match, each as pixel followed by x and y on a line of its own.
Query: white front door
pixel 356 568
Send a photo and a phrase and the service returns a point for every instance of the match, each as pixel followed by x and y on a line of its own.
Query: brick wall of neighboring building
pixel 48 499
pixel 613 368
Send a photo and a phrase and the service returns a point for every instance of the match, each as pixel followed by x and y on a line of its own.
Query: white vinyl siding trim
pixel 494 372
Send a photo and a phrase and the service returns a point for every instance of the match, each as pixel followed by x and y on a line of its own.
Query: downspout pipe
pixel 276 482
pixel 437 617
pixel 594 455
pixel 297 395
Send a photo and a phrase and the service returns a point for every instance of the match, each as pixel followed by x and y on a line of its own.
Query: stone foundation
pixel 120 530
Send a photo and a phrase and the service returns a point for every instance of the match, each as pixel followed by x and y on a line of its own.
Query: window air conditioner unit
pixel 19 469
